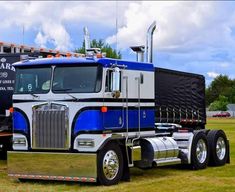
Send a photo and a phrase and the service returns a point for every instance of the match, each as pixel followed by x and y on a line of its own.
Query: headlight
pixel 85 143
pixel 19 141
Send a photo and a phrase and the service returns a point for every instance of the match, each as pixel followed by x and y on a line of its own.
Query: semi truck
pixel 92 119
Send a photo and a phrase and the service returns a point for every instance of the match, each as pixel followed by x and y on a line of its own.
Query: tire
pixel 3 153
pixel 110 164
pixel 199 151
pixel 218 147
pixel 198 128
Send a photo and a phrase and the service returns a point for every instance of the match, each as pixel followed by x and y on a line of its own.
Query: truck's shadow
pixel 49 183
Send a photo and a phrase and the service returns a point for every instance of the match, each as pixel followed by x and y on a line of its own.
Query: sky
pixel 197 36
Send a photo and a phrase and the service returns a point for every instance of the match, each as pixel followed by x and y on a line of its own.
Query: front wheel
pixel 199 151
pixel 110 164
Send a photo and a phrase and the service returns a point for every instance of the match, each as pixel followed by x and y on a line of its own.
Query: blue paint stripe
pixel 129 64
pixel 19 122
pixel 95 120
pixel 105 62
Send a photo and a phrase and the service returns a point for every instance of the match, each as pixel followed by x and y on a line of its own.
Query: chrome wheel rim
pixel 110 165
pixel 201 151
pixel 220 148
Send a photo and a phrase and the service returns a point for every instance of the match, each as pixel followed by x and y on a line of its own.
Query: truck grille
pixel 50 126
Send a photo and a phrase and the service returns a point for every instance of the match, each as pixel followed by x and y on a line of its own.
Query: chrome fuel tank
pixel 160 151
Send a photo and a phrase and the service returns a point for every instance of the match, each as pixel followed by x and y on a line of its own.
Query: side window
pixel 108 81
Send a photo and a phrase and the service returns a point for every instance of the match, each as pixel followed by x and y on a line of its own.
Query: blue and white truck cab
pixel 91 119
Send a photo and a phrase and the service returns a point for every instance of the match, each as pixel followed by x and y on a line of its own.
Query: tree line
pixel 220 93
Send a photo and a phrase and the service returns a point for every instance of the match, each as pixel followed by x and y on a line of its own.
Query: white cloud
pixel 56 34
pixel 197 36
pixel 213 74
pixel 42 17
pixel 224 65
pixel 50 19
pixel 190 36
pixel 41 39
pixel 181 26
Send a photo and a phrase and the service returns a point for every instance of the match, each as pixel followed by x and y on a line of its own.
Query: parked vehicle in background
pixel 222 114
pixel 7 80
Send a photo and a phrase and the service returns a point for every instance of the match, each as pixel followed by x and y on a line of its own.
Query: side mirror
pixel 115 82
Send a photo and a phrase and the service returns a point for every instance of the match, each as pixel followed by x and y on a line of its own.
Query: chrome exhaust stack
pixel 148 48
pixel 86 39
pixel 88 50
pixel 149 43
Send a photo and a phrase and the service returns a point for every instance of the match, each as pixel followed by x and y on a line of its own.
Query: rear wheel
pixel 199 151
pixel 110 164
pixel 218 147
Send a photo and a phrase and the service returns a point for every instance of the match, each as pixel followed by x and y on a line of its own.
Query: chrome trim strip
pixel 50 126
pixel 57 178
pixel 50 166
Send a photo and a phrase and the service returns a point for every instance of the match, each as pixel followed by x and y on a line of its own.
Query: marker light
pixel 49 56
pixel 104 109
pixel 11 110
pixel 68 54
pixel 98 55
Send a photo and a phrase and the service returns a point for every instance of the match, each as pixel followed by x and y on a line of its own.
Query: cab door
pixel 113 118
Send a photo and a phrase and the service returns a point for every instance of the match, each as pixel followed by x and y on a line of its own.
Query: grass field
pixel 170 179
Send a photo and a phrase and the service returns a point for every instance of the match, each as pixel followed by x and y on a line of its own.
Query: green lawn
pixel 170 179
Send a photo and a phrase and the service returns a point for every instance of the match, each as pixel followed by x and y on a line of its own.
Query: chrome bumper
pixel 52 166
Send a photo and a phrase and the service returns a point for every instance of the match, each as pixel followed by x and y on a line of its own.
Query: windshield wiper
pixel 36 96
pixel 75 98
pixel 61 90
pixel 65 91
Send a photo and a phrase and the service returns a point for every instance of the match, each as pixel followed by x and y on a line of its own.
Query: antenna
pixel 116 27
pixel 23 35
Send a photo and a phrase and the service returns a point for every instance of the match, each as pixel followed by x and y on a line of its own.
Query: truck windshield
pixel 32 80
pixel 78 79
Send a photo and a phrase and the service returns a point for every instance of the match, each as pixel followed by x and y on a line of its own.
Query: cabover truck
pixel 92 119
